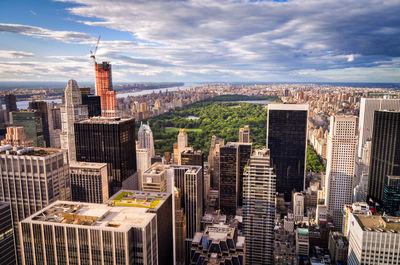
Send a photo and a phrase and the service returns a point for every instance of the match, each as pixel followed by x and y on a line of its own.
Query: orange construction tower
pixel 105 90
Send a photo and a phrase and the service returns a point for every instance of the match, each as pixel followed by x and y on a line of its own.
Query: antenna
pixel 93 54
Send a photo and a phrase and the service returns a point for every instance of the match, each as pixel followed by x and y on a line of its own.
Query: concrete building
pixel 244 134
pixel 298 206
pixel 338 247
pixel 72 111
pixel 16 137
pixel 259 188
pixel 89 182
pixel 32 123
pixel 7 243
pixel 145 138
pixel 160 204
pixel 31 179
pixel 287 142
pixel 54 124
pixel 365 232
pixel 218 244
pixel 155 178
pixel 340 170
pixel 143 162
pixel 321 213
pixel 85 233
pixel 302 242
pixel 362 173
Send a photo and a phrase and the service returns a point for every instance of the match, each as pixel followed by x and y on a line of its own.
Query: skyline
pixel 202 41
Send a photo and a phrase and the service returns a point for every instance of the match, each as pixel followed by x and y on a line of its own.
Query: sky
pixel 201 40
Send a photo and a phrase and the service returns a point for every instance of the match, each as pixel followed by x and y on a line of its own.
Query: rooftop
pixel 156 169
pixel 139 199
pixel 105 120
pixel 92 214
pixel 277 106
pixel 302 231
pixel 378 223
pixel 30 151
pixel 87 165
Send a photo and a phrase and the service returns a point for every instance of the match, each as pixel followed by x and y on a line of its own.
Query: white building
pixel 145 138
pixel 298 206
pixel 373 240
pixel 302 242
pixel 143 162
pixel 340 171
pixel 321 213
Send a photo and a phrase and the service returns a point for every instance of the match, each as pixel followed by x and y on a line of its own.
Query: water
pixel 25 104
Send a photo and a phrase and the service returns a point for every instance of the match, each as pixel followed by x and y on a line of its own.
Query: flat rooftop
pixel 374 223
pixel 156 169
pixel 139 199
pixel 86 165
pixel 91 214
pixel 30 151
pixel 105 120
pixel 277 106
pixel 219 232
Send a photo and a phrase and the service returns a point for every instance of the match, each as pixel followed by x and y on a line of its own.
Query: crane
pixel 93 54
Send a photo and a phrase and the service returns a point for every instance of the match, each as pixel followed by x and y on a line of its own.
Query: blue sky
pixel 202 40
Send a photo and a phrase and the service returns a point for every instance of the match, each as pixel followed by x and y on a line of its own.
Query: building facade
pixel 287 142
pixel 391 195
pixel 244 134
pixel 259 188
pixel 33 126
pixel 145 138
pixel 7 247
pixel 41 108
pixel 104 89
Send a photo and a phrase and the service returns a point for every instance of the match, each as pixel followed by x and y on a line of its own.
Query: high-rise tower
pixel 145 138
pixel 104 89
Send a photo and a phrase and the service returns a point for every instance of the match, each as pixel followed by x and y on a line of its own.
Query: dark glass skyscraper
pixel 11 102
pixel 111 141
pixel 41 107
pixel 93 103
pixel 391 195
pixel 287 141
pixel 33 125
pixel 7 249
pixel 385 152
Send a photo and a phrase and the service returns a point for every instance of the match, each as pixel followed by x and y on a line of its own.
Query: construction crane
pixel 93 54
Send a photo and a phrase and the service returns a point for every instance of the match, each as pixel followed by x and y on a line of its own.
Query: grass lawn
pixel 176 130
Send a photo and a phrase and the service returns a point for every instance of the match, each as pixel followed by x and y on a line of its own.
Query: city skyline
pixel 287 41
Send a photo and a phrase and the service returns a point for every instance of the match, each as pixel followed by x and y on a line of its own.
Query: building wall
pixel 7 249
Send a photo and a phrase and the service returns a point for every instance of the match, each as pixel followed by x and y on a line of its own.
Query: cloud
pixel 38 32
pixel 33 12
pixel 350 58
pixel 14 54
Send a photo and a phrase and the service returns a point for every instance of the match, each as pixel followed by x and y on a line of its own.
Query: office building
pixel 16 137
pixel 218 244
pixel 259 189
pixel 338 246
pixel 85 233
pixel 155 178
pixel 32 123
pixel 385 152
pixel 391 195
pixel 244 134
pixel 213 161
pixel 156 203
pixel 89 182
pixel 111 141
pixel 180 228
pixel 145 138
pixel 298 206
pixel 143 162
pixel 104 89
pixel 287 142
pixel 340 170
pixel 11 103
pixel 71 111
pixel 367 108
pixel 362 173
pixel 233 159
pixel 41 107
pixel 54 124
pixel 7 248
pixel 302 242
pixel 91 101
pixel 364 234
pixel 31 179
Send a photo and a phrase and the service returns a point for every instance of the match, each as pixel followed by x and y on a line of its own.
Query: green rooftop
pixel 129 199
pixel 302 231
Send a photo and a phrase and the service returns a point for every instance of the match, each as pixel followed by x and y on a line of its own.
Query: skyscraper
pixel 244 134
pixel 71 111
pixel 41 107
pixel 33 126
pixel 391 195
pixel 145 138
pixel 87 233
pixel 259 187
pixel 11 102
pixel 385 152
pixel 16 137
pixel 7 248
pixel 155 178
pixel 287 142
pixel 104 89
pixel 340 170
pixel 111 141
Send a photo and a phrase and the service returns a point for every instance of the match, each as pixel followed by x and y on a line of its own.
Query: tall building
pixel 367 108
pixel 340 170
pixel 41 107
pixel 145 138
pixel 143 162
pixel 302 242
pixel 32 123
pixel 213 161
pixel 391 195
pixel 338 246
pixel 298 206
pixel 11 103
pixel 93 102
pixel 233 159
pixel 54 112
pixel 218 244
pixel 89 182
pixel 85 233
pixel 31 179
pixel 193 199
pixel 16 137
pixel 364 234
pixel 362 173
pixel 7 248
pixel 244 134
pixel 104 89
pixel 159 204
pixel 71 111
pixel 111 141
pixel 155 178
pixel 287 142
pixel 180 228
pixel 385 152
pixel 259 189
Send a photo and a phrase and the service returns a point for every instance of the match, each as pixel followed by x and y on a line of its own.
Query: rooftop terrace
pixel 140 199
pixel 374 223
